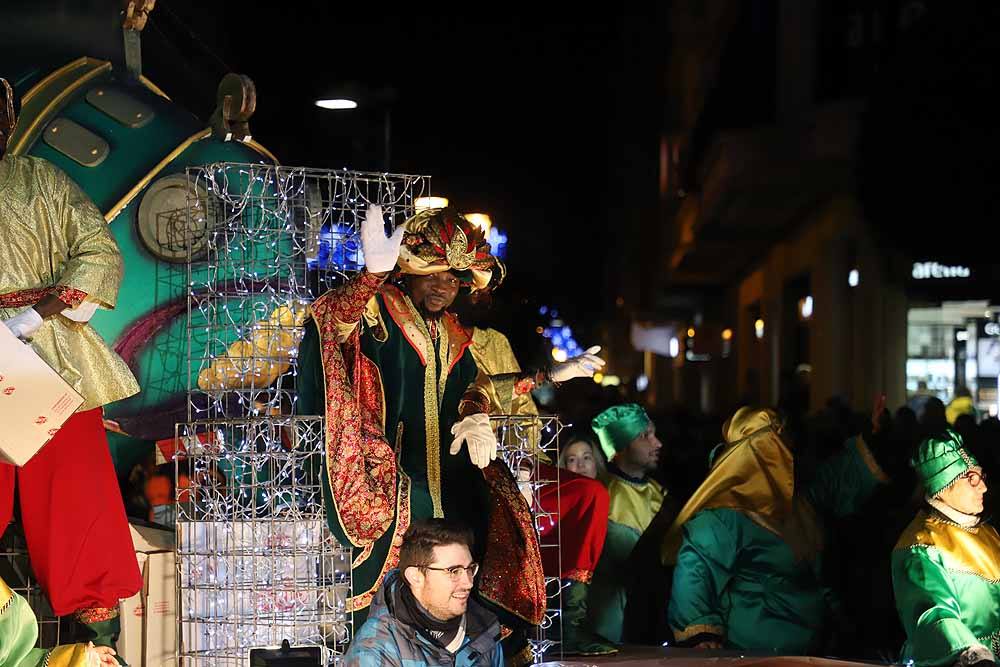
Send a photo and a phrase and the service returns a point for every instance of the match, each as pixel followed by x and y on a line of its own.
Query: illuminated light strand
pixel 257 226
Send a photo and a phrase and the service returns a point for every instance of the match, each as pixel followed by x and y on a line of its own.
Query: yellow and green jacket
pixel 946 578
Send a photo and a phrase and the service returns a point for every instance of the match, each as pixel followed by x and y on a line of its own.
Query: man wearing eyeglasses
pixel 946 565
pixel 424 613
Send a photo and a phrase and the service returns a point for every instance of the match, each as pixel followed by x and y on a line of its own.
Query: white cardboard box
pixel 34 400
pixel 148 619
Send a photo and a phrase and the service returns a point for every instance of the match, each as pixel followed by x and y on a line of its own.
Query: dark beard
pixel 428 315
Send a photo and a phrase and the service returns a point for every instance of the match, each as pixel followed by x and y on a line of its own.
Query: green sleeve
pixel 618 545
pixel 705 564
pixel 846 480
pixel 18 633
pixel 929 607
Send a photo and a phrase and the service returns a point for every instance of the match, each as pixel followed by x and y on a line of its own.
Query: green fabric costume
pixel 19 633
pixel 391 382
pixel 747 568
pixel 402 372
pixel 946 569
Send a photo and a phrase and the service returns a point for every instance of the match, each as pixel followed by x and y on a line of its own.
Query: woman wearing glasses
pixel 946 565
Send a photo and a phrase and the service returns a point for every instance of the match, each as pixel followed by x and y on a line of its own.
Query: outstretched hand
pixel 583 366
pixel 381 251
pixel 479 439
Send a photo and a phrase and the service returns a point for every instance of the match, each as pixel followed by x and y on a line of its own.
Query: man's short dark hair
pixel 423 535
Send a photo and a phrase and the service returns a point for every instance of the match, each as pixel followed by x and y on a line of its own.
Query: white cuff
pixel 81 313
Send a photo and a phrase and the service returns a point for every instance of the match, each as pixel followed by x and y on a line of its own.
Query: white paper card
pixel 34 400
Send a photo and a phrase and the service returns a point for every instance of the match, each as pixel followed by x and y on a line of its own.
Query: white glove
pixel 381 251
pixel 478 436
pixel 25 323
pixel 81 313
pixel 583 366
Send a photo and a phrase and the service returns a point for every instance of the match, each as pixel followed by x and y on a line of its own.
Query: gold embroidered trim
pixel 525 656
pixel 96 615
pixel 954 570
pixel 363 600
pixel 694 630
pixel 433 395
pixel 363 556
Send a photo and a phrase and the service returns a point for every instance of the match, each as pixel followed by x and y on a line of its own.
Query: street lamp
pixel 352 96
pixel 336 103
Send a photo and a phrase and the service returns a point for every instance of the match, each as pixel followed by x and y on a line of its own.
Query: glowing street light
pixel 348 96
pixel 675 348
pixel 430 203
pixel 336 103
pixel 806 308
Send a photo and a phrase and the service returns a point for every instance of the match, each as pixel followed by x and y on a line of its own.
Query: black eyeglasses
pixel 455 572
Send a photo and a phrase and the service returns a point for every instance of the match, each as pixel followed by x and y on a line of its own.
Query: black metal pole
pixel 387 138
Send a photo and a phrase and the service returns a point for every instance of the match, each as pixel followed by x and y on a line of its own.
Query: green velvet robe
pixel 464 492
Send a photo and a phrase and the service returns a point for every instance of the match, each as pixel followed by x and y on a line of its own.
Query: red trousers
pixel 74 519
pixel 579 507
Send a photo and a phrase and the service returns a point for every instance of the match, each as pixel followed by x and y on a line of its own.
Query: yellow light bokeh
pixel 480 220
pixel 758 327
pixel 727 334
pixel 428 203
pixel 691 332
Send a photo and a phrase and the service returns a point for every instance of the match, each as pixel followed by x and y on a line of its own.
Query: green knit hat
pixel 616 427
pixel 940 460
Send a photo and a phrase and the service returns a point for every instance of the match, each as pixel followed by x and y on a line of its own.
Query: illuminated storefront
pixel 953 337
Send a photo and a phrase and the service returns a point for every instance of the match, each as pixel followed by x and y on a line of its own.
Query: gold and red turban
pixel 443 240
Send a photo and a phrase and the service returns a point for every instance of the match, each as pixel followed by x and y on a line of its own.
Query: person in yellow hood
pixel 960 405
pixel 746 548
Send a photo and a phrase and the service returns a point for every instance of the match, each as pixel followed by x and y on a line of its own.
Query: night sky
pixel 549 121
pixel 511 115
pixel 522 116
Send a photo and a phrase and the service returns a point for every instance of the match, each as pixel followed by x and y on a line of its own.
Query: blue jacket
pixel 385 640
